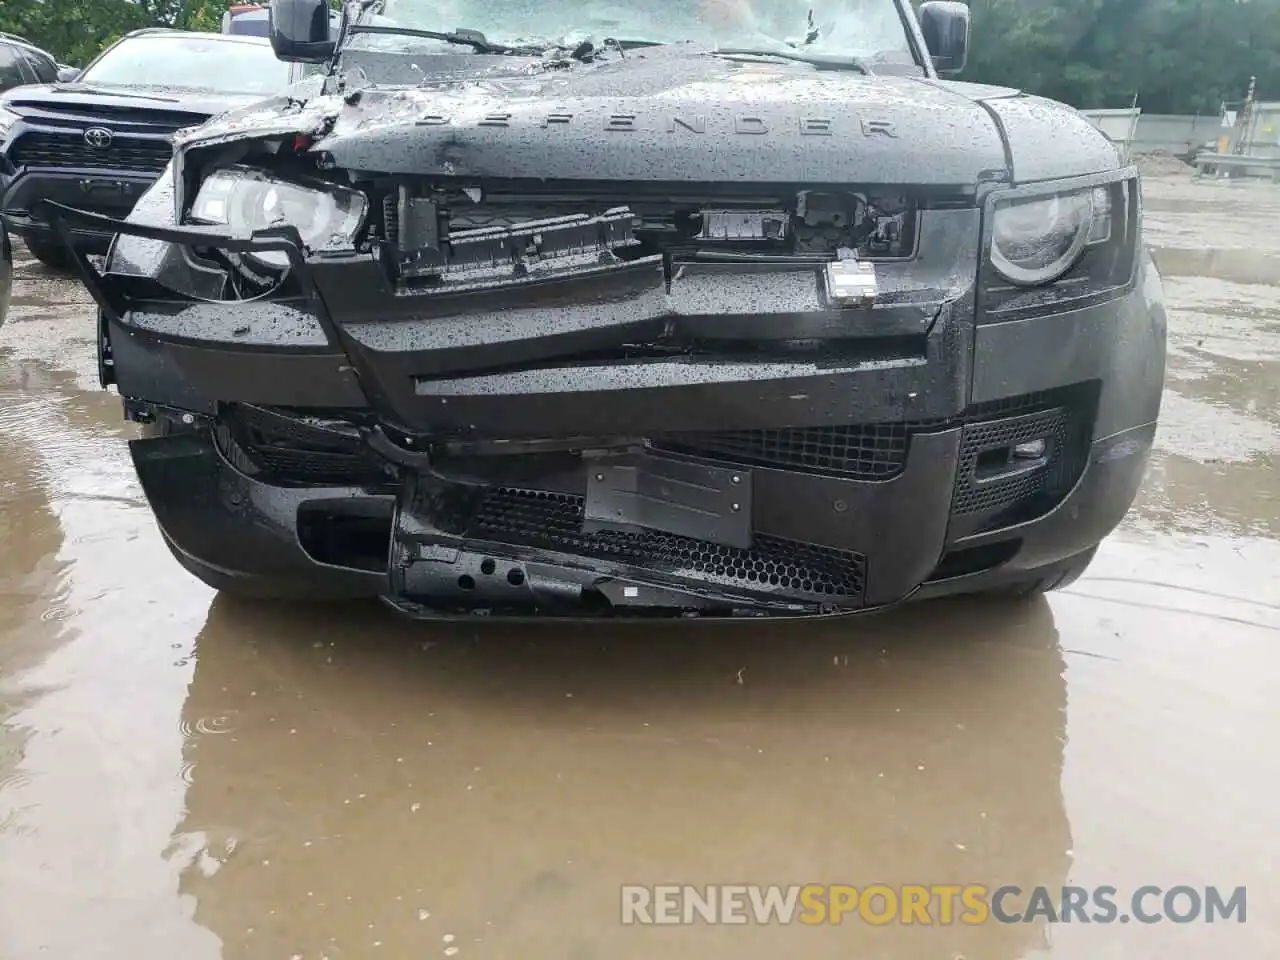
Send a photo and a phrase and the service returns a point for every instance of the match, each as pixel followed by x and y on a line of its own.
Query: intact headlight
pixel 7 119
pixel 246 200
pixel 1035 241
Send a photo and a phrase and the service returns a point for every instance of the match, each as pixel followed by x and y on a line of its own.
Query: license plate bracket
pixel 641 491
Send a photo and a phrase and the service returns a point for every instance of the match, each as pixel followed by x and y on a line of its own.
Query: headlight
pixel 7 119
pixel 247 200
pixel 1036 241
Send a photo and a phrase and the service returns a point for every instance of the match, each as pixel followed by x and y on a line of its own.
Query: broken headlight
pixel 1035 241
pixel 246 200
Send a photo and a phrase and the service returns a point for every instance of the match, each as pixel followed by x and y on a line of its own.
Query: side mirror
pixel 68 74
pixel 299 30
pixel 945 25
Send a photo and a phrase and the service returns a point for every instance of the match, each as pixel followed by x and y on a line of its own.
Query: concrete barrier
pixel 1118 126
pixel 1137 132
pixel 1245 165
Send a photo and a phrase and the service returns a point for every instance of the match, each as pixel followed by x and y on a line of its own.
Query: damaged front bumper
pixel 461 465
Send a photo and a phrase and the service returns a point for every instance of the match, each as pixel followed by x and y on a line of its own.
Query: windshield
pixel 191 63
pixel 859 28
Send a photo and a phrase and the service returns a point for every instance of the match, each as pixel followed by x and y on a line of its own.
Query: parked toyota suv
pixel 101 140
pixel 680 309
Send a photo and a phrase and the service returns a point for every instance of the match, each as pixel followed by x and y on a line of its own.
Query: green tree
pixel 76 30
pixel 1177 56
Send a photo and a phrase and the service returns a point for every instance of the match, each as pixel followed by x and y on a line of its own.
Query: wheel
pixel 1046 579
pixel 51 253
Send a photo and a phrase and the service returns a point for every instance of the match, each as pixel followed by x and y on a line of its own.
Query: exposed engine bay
pixel 452 236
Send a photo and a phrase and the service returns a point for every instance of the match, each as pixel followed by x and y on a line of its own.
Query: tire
pixel 51 253
pixel 1047 579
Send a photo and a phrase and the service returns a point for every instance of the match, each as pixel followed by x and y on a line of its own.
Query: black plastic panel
pixel 640 492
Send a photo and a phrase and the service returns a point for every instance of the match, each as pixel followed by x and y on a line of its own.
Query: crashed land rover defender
pixel 578 309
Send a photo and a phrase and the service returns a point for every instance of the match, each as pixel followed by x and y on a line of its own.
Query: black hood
pixel 667 113
pixel 95 100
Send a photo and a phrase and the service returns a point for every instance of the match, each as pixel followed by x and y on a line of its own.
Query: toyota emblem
pixel 99 137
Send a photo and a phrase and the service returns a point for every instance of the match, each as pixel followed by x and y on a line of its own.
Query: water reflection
pixel 30 573
pixel 359 782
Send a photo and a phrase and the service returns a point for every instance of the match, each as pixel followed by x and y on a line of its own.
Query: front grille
pixel 861 451
pixel 70 150
pixel 871 451
pixel 289 448
pixel 552 521
pixel 297 451
pixel 728 216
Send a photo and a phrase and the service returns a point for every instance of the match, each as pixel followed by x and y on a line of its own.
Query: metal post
pixel 1133 129
pixel 1244 118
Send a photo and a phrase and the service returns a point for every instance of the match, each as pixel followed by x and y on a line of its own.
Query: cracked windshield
pixel 619 480
pixel 853 27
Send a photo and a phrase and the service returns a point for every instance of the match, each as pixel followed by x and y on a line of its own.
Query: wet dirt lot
pixel 185 776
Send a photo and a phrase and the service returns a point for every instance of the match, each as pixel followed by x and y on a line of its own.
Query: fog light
pixel 1031 450
pixel 850 281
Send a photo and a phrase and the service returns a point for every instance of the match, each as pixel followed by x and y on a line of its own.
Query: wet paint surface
pixel 184 775
pixel 473 116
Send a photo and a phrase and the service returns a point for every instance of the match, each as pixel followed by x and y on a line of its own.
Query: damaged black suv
pixel 598 309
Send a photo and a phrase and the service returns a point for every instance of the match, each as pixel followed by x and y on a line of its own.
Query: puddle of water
pixel 1235 265
pixel 90 687
pixel 1212 433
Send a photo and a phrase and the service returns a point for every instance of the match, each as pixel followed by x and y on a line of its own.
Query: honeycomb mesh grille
pixel 873 451
pixel 553 521
pixel 974 496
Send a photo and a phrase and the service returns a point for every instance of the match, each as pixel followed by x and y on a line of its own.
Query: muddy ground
pixel 185 776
